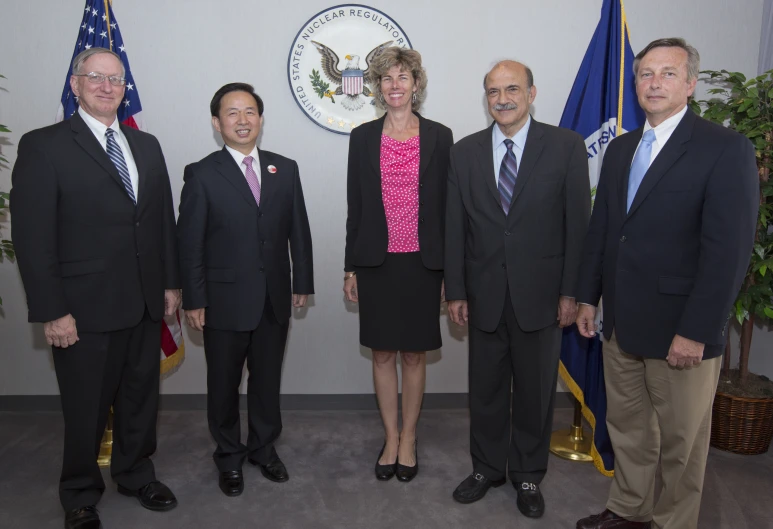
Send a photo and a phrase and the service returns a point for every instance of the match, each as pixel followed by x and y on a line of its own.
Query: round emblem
pixel 329 64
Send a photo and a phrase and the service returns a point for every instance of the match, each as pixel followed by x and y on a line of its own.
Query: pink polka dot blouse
pixel 400 192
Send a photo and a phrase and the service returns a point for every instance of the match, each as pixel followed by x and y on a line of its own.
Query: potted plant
pixel 6 246
pixel 742 417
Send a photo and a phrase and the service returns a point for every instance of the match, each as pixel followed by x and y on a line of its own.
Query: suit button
pixel 260 214
pixel 262 242
pixel 261 269
pixel 421 220
pixel 507 233
pixel 421 203
pixel 623 238
pixel 504 265
pixel 421 185
pixel 137 224
pixel 138 254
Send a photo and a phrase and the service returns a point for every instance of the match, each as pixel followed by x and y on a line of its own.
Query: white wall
pixel 181 52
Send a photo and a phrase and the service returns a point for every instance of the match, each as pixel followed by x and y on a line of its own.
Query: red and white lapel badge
pixel 271 169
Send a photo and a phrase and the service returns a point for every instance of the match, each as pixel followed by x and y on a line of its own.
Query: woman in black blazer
pixel 396 192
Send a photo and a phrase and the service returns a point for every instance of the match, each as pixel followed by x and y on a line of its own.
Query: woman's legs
pixel 385 382
pixel 414 366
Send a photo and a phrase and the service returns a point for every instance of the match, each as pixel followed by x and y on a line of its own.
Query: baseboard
pixel 357 401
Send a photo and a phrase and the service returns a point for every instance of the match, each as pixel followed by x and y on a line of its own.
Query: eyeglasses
pixel 99 78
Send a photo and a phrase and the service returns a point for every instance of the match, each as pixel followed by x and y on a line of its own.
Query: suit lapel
pixel 674 148
pixel 139 160
pixel 230 171
pixel 486 162
pixel 531 153
pixel 85 138
pixel 427 140
pixel 268 180
pixel 374 131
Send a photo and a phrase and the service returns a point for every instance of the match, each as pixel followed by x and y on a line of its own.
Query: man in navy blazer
pixel 240 208
pixel 668 247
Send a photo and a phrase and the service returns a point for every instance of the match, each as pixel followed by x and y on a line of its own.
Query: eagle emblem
pixel 352 81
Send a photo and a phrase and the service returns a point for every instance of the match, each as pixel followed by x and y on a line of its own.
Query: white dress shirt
pixel 239 158
pixel 498 143
pixel 98 129
pixel 662 133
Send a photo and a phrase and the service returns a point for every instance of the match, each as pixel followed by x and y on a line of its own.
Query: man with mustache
pixel 517 210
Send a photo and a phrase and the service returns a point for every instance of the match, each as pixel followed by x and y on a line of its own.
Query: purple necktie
pixel 508 172
pixel 252 178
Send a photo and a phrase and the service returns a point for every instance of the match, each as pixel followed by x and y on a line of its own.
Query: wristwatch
pixel 349 275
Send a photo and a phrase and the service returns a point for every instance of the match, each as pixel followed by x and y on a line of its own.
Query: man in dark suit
pixel 518 208
pixel 239 209
pixel 668 247
pixel 93 225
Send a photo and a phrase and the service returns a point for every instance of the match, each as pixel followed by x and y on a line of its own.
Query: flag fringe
pixel 172 363
pixel 598 462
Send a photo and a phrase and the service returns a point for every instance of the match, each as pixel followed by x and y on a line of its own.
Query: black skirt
pixel 400 304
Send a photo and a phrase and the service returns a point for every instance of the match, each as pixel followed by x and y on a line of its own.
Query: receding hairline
pixel 505 63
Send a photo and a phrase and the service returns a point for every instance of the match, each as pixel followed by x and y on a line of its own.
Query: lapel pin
pixel 271 169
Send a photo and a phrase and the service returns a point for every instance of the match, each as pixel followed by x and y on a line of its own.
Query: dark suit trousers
pixel 225 352
pixel 510 431
pixel 119 369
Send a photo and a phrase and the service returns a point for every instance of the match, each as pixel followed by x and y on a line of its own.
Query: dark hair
pixel 693 58
pixel 214 105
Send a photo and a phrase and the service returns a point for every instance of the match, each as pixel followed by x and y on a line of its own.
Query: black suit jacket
pixel 232 252
pixel 535 249
pixel 674 263
pixel 366 227
pixel 82 246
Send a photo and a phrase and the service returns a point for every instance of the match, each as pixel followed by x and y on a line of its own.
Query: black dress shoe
pixel 530 500
pixel 231 482
pixel 275 470
pixel 82 518
pixel 154 496
pixel 384 472
pixel 404 473
pixel 475 487
pixel 609 520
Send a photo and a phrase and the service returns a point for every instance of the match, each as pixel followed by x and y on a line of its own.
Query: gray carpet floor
pixel 330 457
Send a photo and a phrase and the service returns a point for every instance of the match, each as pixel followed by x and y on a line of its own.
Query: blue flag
pixel 99 29
pixel 601 106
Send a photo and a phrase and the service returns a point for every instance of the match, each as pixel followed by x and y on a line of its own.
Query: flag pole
pixel 108 3
pixel 571 443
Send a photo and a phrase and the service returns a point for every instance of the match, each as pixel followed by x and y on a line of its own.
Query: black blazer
pixel 534 250
pixel 232 251
pixel 675 262
pixel 366 228
pixel 82 246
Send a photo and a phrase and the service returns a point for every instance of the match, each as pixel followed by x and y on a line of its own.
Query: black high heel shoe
pixel 406 474
pixel 384 472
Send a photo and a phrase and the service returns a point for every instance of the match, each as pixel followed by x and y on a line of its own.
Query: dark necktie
pixel 116 156
pixel 508 171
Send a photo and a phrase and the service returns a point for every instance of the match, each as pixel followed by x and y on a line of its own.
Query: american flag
pixel 99 29
pixel 351 82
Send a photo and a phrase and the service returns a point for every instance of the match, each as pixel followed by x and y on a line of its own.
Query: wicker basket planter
pixel 741 425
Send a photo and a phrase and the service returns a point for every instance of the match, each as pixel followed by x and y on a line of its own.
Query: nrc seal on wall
pixel 329 64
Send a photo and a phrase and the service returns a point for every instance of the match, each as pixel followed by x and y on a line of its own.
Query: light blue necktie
pixel 508 172
pixel 116 156
pixel 641 162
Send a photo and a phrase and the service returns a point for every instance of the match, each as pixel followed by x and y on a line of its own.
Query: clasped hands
pixel 567 311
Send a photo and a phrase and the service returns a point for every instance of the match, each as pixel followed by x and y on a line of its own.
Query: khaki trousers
pixel 658 412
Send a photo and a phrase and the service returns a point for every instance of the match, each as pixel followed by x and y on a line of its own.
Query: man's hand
pixel 299 300
pixel 567 311
pixel 684 352
pixel 350 289
pixel 195 318
pixel 586 320
pixel 172 300
pixel 61 332
pixel 457 310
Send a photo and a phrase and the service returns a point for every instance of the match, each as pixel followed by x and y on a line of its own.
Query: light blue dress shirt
pixel 498 143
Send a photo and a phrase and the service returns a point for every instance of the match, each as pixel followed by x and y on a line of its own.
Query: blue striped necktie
pixel 116 156
pixel 508 171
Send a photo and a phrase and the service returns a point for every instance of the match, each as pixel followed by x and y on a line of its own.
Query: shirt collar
pixel 96 126
pixel 239 157
pixel 665 129
pixel 519 139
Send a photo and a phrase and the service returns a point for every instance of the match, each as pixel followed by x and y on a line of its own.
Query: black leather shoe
pixel 609 520
pixel 384 472
pixel 275 470
pixel 530 500
pixel 475 487
pixel 154 496
pixel 404 473
pixel 83 518
pixel 231 482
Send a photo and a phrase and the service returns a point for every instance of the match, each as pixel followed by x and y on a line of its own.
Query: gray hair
pixel 693 57
pixel 82 57
pixel 408 60
pixel 529 75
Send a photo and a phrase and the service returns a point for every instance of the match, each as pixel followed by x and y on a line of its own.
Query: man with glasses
pixel 94 229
